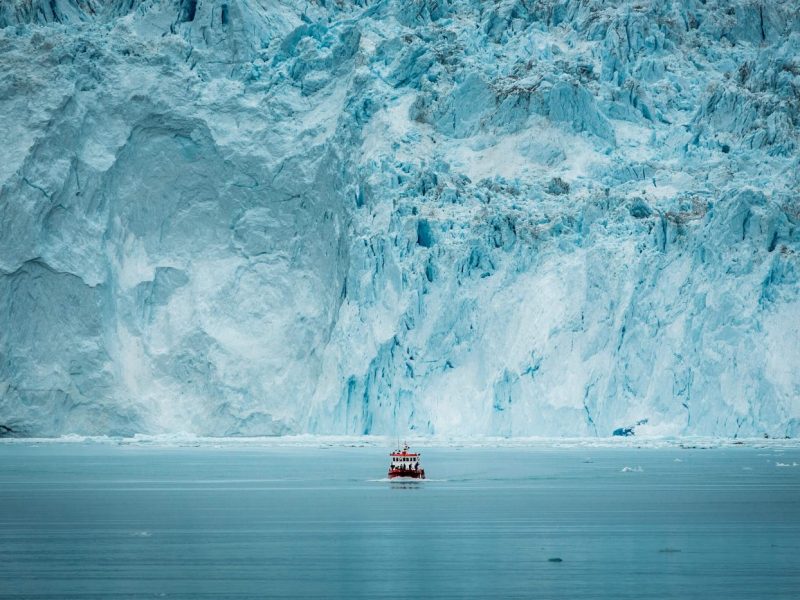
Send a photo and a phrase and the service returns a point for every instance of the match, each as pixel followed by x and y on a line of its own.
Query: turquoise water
pixel 106 521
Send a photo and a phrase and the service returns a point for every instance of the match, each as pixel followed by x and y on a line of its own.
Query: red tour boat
pixel 405 464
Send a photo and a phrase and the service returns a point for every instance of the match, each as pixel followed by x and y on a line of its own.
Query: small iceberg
pixel 141 534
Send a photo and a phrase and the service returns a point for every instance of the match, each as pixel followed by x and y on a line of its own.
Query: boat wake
pixel 405 480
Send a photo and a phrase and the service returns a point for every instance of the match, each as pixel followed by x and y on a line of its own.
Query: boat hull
pixel 412 474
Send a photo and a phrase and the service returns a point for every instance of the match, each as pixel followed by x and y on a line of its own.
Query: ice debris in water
pixel 636 469
pixel 477 218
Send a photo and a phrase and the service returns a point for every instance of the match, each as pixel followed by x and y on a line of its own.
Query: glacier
pixel 438 217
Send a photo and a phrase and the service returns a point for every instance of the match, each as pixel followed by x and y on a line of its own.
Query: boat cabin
pixel 405 460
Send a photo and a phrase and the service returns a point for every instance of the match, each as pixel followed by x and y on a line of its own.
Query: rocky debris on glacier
pixel 249 217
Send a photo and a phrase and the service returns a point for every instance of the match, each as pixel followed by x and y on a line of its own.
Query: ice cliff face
pixel 554 217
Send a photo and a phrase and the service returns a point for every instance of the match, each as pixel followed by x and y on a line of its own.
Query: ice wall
pixel 446 217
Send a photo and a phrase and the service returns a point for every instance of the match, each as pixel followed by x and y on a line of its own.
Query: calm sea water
pixel 105 521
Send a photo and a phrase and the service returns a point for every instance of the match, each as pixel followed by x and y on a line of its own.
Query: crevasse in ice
pixel 246 217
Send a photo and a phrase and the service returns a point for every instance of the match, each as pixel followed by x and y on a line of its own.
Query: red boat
pixel 405 464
